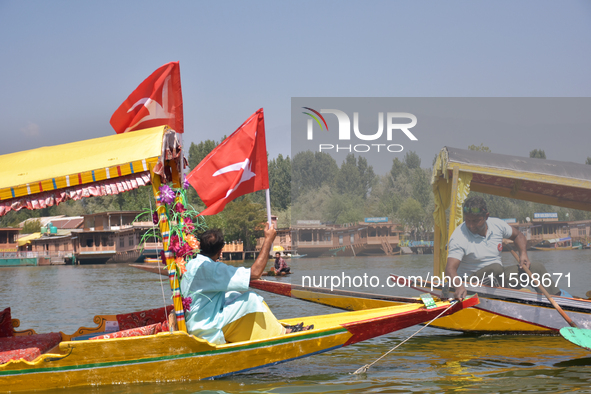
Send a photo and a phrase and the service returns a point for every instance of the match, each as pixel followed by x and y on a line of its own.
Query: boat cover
pixel 46 176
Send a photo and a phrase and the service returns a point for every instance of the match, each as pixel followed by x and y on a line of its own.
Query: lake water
pixel 66 297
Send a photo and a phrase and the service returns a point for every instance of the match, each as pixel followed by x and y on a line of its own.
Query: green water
pixel 434 361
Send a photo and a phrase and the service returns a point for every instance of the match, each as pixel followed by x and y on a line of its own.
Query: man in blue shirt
pixel 475 247
pixel 219 312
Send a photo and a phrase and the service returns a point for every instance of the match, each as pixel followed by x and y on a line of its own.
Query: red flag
pixel 235 167
pixel 155 102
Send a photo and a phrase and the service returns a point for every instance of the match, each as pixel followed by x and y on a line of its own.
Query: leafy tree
pixel 284 218
pixel 412 160
pixel 197 152
pixel 538 154
pixel 311 170
pixel 344 208
pixel 480 148
pixel 31 226
pixel 311 205
pixel 421 186
pixel 412 216
pixel 244 220
pixel 588 160
pixel 280 182
pixel 398 168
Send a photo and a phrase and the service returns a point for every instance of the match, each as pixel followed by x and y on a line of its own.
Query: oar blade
pixel 579 336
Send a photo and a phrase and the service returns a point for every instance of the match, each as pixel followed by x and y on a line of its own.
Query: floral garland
pixel 184 223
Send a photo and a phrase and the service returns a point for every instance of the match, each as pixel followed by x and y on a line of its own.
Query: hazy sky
pixel 67 65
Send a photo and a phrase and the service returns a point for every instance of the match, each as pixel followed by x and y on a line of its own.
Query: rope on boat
pixel 366 367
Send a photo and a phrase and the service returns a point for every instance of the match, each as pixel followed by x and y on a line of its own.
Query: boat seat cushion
pixel 28 354
pixel 136 332
pixel 5 323
pixel 128 321
pixel 27 347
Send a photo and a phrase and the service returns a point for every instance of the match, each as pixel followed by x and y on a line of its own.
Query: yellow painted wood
pixel 342 302
pixel 528 196
pixel 437 269
pixel 528 176
pixel 477 320
pixel 452 213
pixel 42 165
pixel 170 264
pixel 178 356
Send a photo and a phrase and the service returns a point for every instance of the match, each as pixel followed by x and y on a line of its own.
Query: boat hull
pixel 179 356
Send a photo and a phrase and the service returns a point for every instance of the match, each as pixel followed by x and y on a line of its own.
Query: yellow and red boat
pixel 501 311
pixel 150 352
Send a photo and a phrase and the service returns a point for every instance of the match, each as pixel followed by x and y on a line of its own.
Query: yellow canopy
pixel 56 167
pixel 25 240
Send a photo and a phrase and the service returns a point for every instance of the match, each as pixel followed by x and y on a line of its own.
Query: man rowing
pixel 474 250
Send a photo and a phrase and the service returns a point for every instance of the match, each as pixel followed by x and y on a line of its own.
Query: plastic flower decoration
pixel 187 303
pixel 167 195
pixel 183 221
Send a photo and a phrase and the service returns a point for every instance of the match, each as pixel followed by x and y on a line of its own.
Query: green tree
pixel 344 208
pixel 421 186
pixel 31 226
pixel 398 171
pixel 311 205
pixel 311 170
pixel 412 216
pixel 588 160
pixel 280 182
pixel 244 220
pixel 197 152
pixel 480 148
pixel 412 160
pixel 538 154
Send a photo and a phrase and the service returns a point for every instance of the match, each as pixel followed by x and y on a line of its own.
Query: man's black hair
pixel 211 242
pixel 475 205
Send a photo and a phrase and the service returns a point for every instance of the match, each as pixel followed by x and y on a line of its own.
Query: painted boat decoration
pixel 177 356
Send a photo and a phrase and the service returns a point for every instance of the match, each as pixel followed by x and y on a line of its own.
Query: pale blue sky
pixel 65 66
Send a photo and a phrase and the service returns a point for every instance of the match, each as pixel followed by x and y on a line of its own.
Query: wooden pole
pixel 545 292
pixel 169 256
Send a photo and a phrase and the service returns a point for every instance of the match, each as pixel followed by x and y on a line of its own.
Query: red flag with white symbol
pixel 235 167
pixel 155 102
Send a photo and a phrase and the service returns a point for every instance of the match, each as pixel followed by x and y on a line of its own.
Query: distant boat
pixel 298 256
pixel 558 244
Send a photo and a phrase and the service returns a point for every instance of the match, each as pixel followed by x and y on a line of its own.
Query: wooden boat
pixel 105 166
pixel 456 173
pixel 176 356
pixel 553 245
pixel 501 311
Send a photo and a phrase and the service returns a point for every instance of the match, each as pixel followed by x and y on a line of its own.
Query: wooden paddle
pixel 545 292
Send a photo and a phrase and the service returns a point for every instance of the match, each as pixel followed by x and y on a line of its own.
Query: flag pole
pixel 268 207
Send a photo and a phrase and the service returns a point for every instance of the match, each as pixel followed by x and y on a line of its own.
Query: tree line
pixel 313 186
